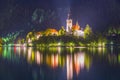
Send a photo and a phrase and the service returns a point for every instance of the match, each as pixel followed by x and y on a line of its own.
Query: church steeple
pixel 77 23
pixel 69 23
pixel 68 14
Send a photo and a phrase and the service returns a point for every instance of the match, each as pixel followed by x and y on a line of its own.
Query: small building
pixel 73 29
pixel 77 31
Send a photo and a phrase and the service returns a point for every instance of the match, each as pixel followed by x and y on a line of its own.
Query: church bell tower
pixel 69 23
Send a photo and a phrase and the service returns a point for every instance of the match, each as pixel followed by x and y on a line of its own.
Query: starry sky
pixel 18 15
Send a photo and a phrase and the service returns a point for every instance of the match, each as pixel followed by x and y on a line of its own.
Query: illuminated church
pixel 73 29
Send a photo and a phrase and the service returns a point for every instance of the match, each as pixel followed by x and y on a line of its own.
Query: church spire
pixel 69 23
pixel 77 23
pixel 69 14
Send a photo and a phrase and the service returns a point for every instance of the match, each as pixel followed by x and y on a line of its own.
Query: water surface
pixel 59 63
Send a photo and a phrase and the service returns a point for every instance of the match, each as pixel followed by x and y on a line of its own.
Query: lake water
pixel 59 63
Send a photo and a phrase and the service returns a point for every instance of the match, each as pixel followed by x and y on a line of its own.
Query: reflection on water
pixel 72 61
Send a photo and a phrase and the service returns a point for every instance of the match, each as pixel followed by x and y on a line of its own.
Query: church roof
pixel 53 30
pixel 76 26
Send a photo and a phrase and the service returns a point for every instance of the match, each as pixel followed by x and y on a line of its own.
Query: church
pixel 76 30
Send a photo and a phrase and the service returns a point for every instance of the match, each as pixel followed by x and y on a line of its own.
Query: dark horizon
pixel 16 15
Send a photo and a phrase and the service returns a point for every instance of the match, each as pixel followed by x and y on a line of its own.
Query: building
pixel 51 32
pixel 76 30
pixel 69 24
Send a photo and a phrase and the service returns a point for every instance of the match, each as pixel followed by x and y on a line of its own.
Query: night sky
pixel 16 15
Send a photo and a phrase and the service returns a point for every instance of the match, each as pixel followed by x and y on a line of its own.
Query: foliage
pixel 30 36
pixel 87 31
pixel 113 30
pixel 1 42
pixel 62 31
pixel 11 37
pixel 65 40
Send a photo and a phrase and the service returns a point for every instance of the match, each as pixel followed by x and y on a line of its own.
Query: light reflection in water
pixel 24 51
pixel 69 67
pixel 98 50
pixel 18 49
pixel 111 48
pixel 29 54
pixel 5 52
pixel 79 60
pixel 38 57
pixel 73 61
pixel 54 61
pixel 59 50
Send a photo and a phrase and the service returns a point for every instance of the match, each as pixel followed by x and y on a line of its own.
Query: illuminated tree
pixel 110 31
pixel 62 31
pixel 20 41
pixel 1 41
pixel 114 30
pixel 11 37
pixel 118 30
pixel 47 32
pixel 30 37
pixel 87 31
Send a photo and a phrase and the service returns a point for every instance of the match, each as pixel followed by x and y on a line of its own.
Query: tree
pixel 30 37
pixel 1 42
pixel 110 31
pixel 118 30
pixel 62 31
pixel 87 31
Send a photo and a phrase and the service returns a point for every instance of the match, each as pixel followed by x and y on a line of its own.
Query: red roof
pixel 75 27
